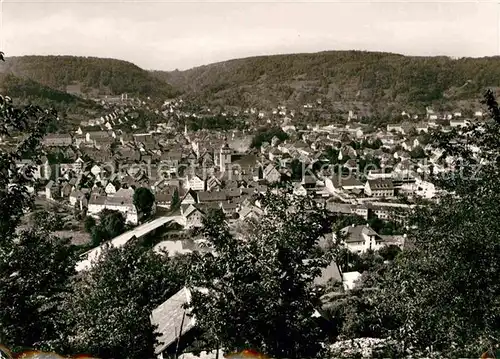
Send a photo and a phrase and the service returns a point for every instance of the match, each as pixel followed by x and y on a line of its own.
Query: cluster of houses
pixel 201 170
pixel 191 173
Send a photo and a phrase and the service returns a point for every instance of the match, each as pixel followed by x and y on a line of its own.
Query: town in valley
pixel 249 179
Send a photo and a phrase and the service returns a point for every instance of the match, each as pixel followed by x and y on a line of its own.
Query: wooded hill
pixel 87 75
pixel 368 82
pixel 371 79
pixel 27 91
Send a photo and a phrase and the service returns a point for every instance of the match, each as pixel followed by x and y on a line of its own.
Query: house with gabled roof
pixel 361 238
pixel 110 188
pixel 194 182
pixel 193 215
pixel 380 187
pixel 190 197
pixel 271 174
pixel 213 183
pixel 215 196
pixel 174 324
pixel 163 199
pixel 206 159
pixel 121 201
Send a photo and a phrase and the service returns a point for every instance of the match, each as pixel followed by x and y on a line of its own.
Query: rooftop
pixel 172 319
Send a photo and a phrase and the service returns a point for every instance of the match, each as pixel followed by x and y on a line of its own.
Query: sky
pixel 169 35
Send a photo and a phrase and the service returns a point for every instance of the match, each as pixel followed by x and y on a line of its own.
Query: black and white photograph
pixel 266 179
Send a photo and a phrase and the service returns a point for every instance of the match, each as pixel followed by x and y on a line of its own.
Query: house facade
pixel 380 187
pixel 96 204
pixel 271 174
pixel 362 238
pixel 193 216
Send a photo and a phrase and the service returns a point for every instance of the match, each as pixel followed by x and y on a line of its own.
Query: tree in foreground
pixel 110 306
pixel 31 122
pixel 144 200
pixel 35 273
pixel 441 295
pixel 89 223
pixel 259 291
pixel 112 222
pixel 34 266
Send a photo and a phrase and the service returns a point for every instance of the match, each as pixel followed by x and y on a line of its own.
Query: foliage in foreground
pixel 34 266
pixel 441 296
pixel 110 305
pixel 259 287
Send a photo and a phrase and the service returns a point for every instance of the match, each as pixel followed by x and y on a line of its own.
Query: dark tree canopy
pixel 34 275
pixel 89 223
pixel 113 222
pixel 259 286
pixel 441 295
pixel 266 136
pixel 112 319
pixel 35 267
pixel 144 200
pixel 176 200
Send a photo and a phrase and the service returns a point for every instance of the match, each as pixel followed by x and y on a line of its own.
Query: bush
pixel 266 136
pixel 89 223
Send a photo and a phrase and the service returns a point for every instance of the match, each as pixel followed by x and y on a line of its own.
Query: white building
pixel 362 238
pixel 194 182
pixel 110 188
pixel 192 215
pixel 349 279
pixel 459 122
pixel 425 189
pixel 121 201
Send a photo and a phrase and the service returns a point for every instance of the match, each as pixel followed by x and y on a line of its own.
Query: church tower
pixel 224 157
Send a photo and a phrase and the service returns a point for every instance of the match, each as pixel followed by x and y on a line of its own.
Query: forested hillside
pixel 367 82
pixel 373 79
pixel 92 75
pixel 28 91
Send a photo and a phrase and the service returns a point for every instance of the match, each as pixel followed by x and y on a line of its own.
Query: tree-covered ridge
pixel 342 76
pixel 97 75
pixel 29 91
